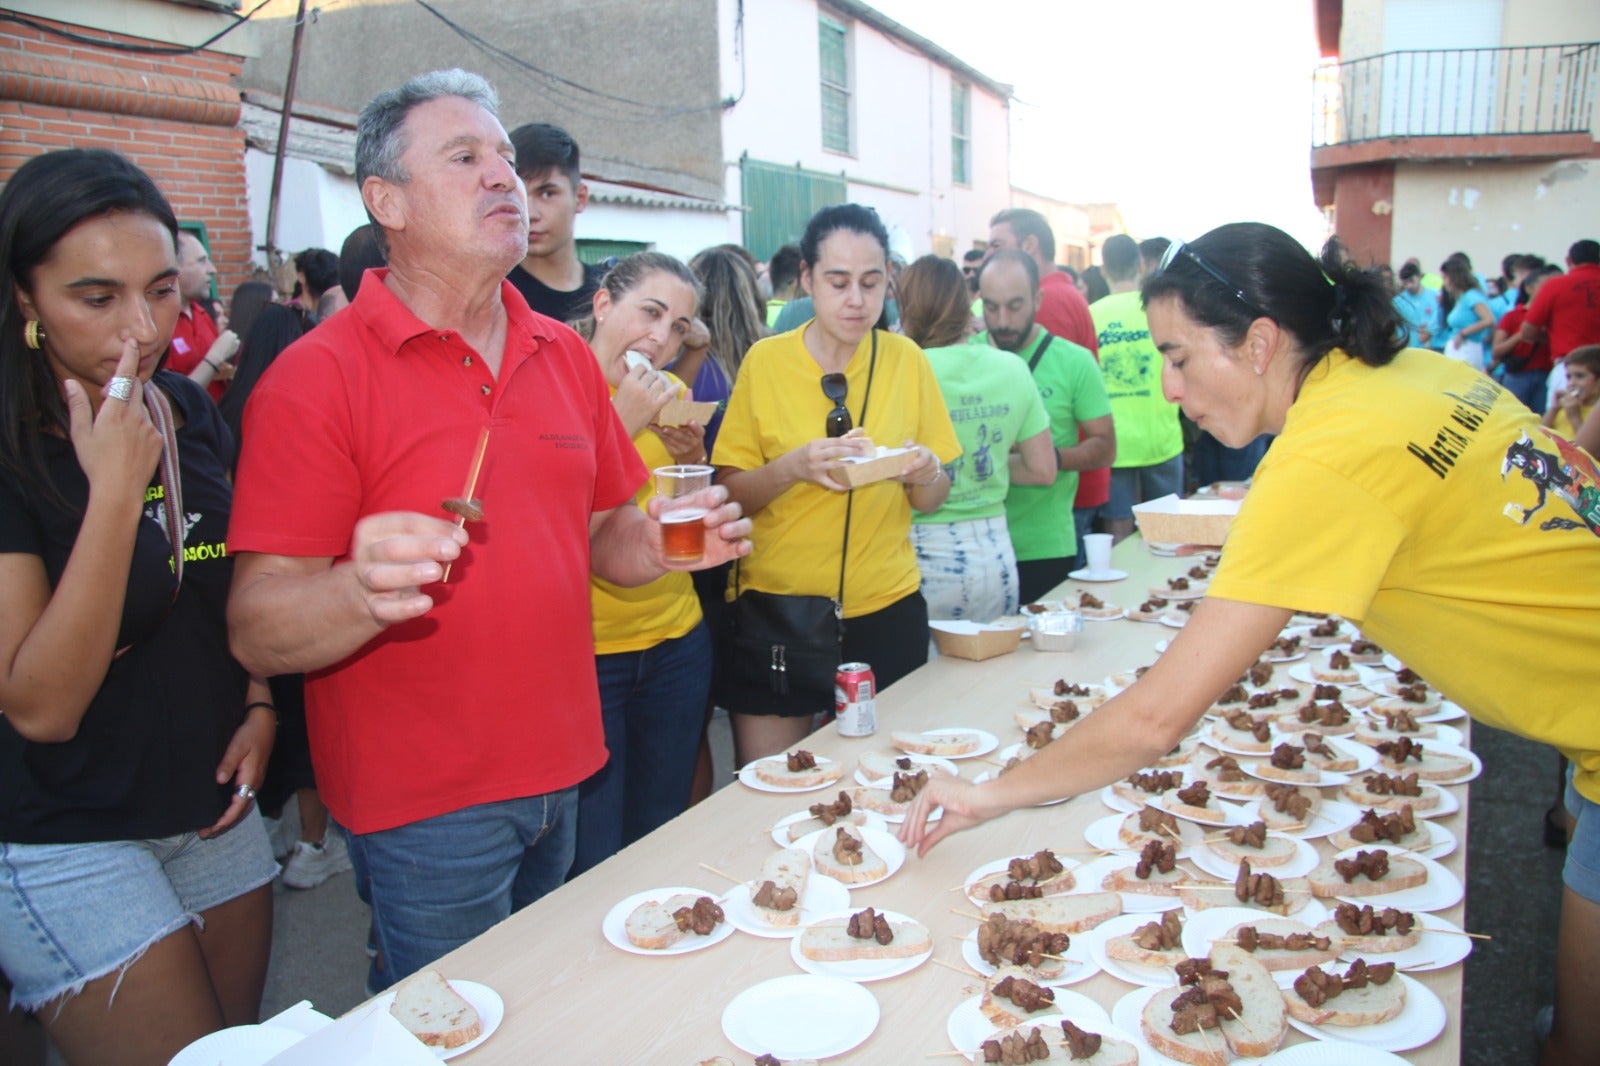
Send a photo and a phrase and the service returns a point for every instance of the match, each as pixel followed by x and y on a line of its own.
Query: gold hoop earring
pixel 32 334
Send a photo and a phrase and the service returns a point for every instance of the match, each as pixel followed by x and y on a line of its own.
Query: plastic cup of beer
pixel 683 528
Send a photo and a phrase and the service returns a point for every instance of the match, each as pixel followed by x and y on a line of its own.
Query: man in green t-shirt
pixel 1149 438
pixel 1069 382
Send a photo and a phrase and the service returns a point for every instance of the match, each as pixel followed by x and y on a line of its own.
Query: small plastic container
pixel 1056 630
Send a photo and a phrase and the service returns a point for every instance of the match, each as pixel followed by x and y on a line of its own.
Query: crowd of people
pixel 241 573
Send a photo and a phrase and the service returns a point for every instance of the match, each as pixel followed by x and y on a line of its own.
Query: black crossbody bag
pixel 791 645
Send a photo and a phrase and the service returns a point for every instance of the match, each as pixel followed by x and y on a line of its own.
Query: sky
pixel 1186 113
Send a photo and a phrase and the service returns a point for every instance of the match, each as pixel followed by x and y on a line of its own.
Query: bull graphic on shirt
pixel 1569 474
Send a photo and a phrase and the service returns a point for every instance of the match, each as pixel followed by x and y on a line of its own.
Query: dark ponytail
pixel 1323 304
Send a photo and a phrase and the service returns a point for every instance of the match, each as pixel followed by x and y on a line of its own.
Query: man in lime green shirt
pixel 783 273
pixel 1149 461
pixel 1040 517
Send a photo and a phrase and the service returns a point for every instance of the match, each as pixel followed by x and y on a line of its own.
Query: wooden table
pixel 570 996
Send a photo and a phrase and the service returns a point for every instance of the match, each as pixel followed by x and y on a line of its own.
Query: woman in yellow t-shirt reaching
pixel 652 651
pixel 1578 398
pixel 1406 492
pixel 804 400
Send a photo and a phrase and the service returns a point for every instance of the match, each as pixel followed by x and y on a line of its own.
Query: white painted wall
pixel 671 230
pixel 900 117
pixel 317 209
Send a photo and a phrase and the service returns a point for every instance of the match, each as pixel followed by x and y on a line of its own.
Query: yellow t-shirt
pixel 1424 503
pixel 632 619
pixel 777 405
pixel 1563 424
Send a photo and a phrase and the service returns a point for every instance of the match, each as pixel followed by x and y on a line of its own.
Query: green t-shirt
pixel 993 405
pixel 1069 383
pixel 1147 425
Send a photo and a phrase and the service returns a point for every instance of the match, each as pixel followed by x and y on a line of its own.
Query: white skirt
pixel 968 569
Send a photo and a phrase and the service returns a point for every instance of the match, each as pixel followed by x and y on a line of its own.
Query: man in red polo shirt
pixel 199 349
pixel 1567 308
pixel 450 720
pixel 1064 311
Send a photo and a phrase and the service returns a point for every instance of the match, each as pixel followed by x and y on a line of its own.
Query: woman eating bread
pixel 1407 493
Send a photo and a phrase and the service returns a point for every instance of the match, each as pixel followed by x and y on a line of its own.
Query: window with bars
pixel 833 39
pixel 960 133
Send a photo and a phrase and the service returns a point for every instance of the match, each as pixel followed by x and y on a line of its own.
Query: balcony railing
pixel 1457 92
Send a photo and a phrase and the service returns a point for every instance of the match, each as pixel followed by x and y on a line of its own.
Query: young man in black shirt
pixel 552 278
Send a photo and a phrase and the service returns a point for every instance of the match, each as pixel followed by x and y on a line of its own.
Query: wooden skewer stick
pixel 472 485
pixel 1253 1034
pixel 1230 888
pixel 967 914
pixel 966 970
pixel 1457 932
pixel 1207 1040
pixel 722 873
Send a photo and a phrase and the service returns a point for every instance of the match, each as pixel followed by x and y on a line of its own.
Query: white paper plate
pixel 1000 866
pixel 1301 672
pixel 1327 779
pixel 614 924
pixel 1162 645
pixel 1080 965
pixel 885 783
pixel 1045 698
pixel 1121 613
pixel 988 774
pixel 1422 1019
pixel 1173 619
pixel 802 1016
pixel 1439 841
pixel 1091 876
pixel 1442 888
pixel 886 844
pixel 1440 946
pixel 822 897
pixel 1325 1052
pixel 1127 1013
pixel 1276 657
pixel 967 1028
pixel 1447 712
pixel 1448 803
pixel 1054 1036
pixel 1229 813
pixel 1447 735
pixel 780 838
pixel 1225 743
pixel 1102 833
pixel 1366 757
pixel 1175 595
pixel 1386 687
pixel 1132 973
pixel 1462 778
pixel 485 1000
pixel 932 762
pixel 861 970
pixel 240 1045
pixel 1089 575
pixel 1304 861
pixel 987 742
pixel 1331 817
pixel 748 778
pixel 1206 928
pixel 1165 551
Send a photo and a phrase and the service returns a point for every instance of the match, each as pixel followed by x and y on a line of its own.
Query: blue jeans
pixel 437 883
pixel 653 703
pixel 1083 522
pixel 1527 386
pixel 1215 461
pixel 1136 484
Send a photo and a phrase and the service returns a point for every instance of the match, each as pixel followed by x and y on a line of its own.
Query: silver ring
pixel 119 388
pixel 245 792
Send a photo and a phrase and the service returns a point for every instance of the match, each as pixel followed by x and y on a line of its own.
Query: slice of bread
pixel 872 867
pixel 1357 792
pixel 1302 775
pixel 880 764
pixel 1058 884
pixel 1404 872
pixel 1113 1052
pixel 999 1009
pixel 1157 884
pixel 1278 851
pixel 830 941
pixel 1373 943
pixel 807 826
pixel 789 868
pixel 1262 1023
pixel 435 1013
pixel 1268 811
pixel 775 772
pixel 1203 895
pixel 1371 1004
pixel 879 801
pixel 1238 739
pixel 1126 948
pixel 1061 914
pixel 651 925
pixel 952 743
pixel 1207 1047
pixel 1439 765
pixel 1282 958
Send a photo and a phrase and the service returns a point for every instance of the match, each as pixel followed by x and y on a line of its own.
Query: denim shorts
pixel 1136 484
pixel 1582 870
pixel 72 913
pixel 969 570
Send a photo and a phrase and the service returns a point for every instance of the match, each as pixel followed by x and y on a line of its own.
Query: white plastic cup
pixel 1097 548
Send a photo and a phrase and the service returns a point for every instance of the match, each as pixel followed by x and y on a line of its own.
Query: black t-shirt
pixel 144 760
pixel 554 303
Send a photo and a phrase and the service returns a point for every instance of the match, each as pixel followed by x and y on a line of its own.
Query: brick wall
pixel 177 117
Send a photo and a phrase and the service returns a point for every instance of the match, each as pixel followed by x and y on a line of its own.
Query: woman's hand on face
pixel 640 397
pixel 117 447
pixel 686 444
pixel 817 460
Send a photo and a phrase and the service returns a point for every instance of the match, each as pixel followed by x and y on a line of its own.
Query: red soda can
pixel 855 704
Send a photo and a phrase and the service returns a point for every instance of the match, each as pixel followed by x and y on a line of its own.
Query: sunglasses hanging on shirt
pixel 836 387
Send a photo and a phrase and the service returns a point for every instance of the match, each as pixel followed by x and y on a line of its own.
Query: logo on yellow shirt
pixel 1569 474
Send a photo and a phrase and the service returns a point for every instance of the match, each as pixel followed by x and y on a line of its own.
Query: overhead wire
pixel 134 49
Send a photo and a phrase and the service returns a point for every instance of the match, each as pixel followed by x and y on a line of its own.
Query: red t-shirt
pixel 1064 311
pixel 1568 306
pixel 192 338
pixel 492 694
pixel 1536 353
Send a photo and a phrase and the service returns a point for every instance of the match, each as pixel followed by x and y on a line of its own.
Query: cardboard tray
pixel 1170 520
pixel 859 472
pixel 967 640
pixel 682 412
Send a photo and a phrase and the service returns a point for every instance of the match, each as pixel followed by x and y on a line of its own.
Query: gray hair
pixel 379 140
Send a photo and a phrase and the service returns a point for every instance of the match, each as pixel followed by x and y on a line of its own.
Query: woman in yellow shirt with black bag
pixel 804 400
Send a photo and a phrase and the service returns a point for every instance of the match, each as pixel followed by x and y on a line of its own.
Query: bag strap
pixel 850 498
pixel 160 410
pixel 1038 350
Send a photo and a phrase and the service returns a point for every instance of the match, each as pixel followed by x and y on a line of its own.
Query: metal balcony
pixel 1475 92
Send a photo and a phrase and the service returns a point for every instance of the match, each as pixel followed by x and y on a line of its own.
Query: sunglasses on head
pixel 1178 249
pixel 836 387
